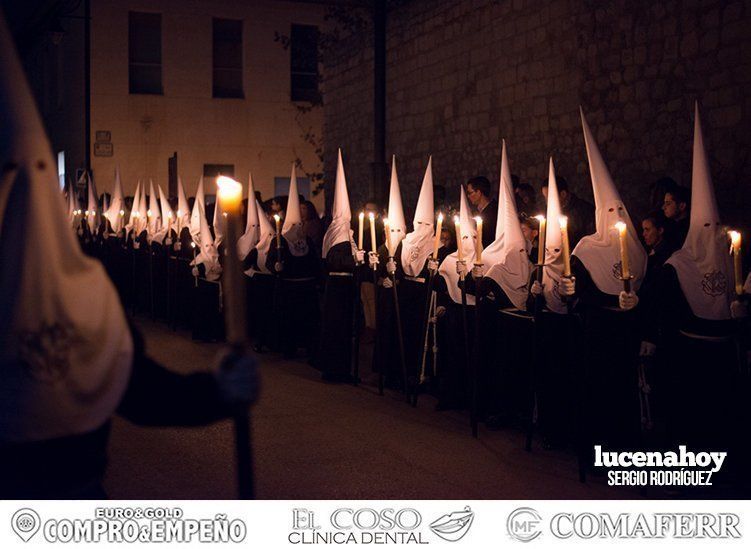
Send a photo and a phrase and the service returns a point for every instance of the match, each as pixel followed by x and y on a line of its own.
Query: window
pixel 228 58
pixel 215 170
pixel 145 52
pixel 304 63
pixel 61 169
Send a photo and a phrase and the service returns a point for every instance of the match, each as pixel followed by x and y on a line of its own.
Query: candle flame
pixel 440 217
pixel 620 226
pixel 122 213
pixel 179 213
pixel 277 218
pixel 540 218
pixel 478 219
pixel 456 220
pixel 169 214
pixel 362 216
pixel 192 244
pixel 735 238
pixel 371 216
pixel 563 221
pixel 229 192
pixel 148 213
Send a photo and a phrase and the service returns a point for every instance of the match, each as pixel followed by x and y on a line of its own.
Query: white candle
pixel 437 243
pixel 371 217
pixel 622 228
pixel 360 230
pixel 735 243
pixel 541 239
pixel 478 240
pixel 458 227
pixel 278 222
pixel 563 221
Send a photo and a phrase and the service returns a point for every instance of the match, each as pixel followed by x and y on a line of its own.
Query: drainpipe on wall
pixel 378 189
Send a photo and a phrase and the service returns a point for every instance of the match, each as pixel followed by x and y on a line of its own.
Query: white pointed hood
pixel 143 212
pixel 418 245
pixel 703 265
pixel 553 271
pixel 252 226
pixel 65 361
pixel 209 254
pixel 199 207
pixel 72 206
pixel 506 257
pixel 266 235
pixel 600 252
pixel 92 206
pixel 292 230
pixel 219 222
pixel 448 267
pixel 134 211
pixel 155 219
pixel 168 218
pixel 182 216
pixel 340 229
pixel 397 224
pixel 117 204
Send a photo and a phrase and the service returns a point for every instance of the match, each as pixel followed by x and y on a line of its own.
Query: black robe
pixel 260 290
pixel 610 347
pixel 339 324
pixel 296 309
pixel 386 353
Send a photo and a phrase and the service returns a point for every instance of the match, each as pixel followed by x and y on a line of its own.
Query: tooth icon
pixel 454 526
pixel 25 523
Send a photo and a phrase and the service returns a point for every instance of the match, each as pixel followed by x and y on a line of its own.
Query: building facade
pixel 226 85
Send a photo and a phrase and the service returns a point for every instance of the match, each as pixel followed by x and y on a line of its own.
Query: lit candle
pixel 148 213
pixel 478 240
pixel 387 228
pixel 122 213
pixel 371 217
pixel 563 221
pixel 360 229
pixel 458 227
pixel 735 245
pixel 541 239
pixel 625 271
pixel 437 242
pixel 230 195
pixel 278 221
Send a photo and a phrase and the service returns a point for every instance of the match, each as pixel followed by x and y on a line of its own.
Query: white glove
pixel 372 259
pixel 738 309
pixel 194 271
pixel 536 288
pixel 567 286
pixel 278 266
pixel 647 349
pixel 432 264
pixel 478 271
pixel 627 301
pixel 360 256
pixel 747 285
pixel 391 266
pixel 167 241
pixel 461 268
pixel 439 312
pixel 387 283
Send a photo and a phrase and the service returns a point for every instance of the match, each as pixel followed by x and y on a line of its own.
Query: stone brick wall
pixel 462 75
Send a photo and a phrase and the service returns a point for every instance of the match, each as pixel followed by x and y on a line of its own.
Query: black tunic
pixel 334 357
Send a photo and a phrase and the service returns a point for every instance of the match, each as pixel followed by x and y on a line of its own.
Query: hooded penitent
pixel 265 237
pixel 467 242
pixel 209 255
pixel 183 209
pixel 397 225
pixel 600 252
pixel 73 206
pixel 168 219
pixel 340 229
pixel 553 271
pixel 65 359
pixel 153 214
pixel 252 227
pixel 199 209
pixel 418 245
pixel 118 204
pixel 703 265
pixel 133 222
pixel 506 258
pixel 92 206
pixel 292 230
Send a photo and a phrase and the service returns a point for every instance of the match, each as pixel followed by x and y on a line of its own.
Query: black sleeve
pixel 340 258
pixel 157 396
pixel 586 290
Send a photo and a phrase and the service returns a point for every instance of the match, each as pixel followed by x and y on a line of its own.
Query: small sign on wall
pixel 103 136
pixel 103 149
